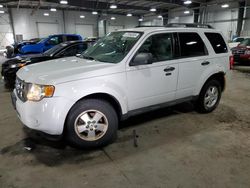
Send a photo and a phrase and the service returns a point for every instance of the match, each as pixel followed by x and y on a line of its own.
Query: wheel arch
pixel 103 96
pixel 219 76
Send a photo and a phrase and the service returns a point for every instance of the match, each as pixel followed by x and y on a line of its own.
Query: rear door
pixel 193 61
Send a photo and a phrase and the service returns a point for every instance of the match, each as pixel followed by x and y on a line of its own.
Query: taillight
pixel 231 62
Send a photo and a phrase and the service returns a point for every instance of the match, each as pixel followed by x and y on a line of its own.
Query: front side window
pixel 75 49
pixel 191 45
pixel 113 47
pixel 55 40
pixel 217 42
pixel 160 46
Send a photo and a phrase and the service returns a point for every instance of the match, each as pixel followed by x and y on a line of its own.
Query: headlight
pixel 38 92
pixel 17 65
pixel 247 52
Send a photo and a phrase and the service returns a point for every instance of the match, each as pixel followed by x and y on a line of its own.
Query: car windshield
pixel 245 42
pixel 113 47
pixel 238 39
pixel 55 49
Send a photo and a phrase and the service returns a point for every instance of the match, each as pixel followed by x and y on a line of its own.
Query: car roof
pixel 64 35
pixel 153 29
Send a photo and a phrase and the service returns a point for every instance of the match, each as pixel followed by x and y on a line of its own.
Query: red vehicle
pixel 241 53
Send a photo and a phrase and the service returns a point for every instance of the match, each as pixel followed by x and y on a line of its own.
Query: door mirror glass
pixel 142 59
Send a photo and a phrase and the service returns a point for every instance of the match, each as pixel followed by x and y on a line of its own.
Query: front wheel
pixel 209 97
pixel 91 123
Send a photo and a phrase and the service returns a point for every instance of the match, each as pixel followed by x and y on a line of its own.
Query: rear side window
pixel 72 38
pixel 191 45
pixel 217 42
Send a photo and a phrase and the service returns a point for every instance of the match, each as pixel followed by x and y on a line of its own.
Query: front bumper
pixel 47 115
pixel 9 75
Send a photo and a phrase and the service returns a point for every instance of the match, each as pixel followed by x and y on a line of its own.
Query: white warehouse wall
pixel 27 25
pixel 223 19
pixel 177 16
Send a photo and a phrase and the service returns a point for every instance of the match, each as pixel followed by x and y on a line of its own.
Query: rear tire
pixel 209 97
pixel 91 123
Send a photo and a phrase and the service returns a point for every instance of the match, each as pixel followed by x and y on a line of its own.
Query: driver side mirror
pixel 142 59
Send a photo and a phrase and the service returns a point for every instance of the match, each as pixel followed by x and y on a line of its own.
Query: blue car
pixel 48 43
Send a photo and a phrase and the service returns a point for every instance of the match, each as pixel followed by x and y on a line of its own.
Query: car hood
pixel 64 70
pixel 23 59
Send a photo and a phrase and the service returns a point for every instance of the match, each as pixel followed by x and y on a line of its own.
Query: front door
pixel 154 83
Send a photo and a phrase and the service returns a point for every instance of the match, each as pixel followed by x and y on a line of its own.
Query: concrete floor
pixel 177 147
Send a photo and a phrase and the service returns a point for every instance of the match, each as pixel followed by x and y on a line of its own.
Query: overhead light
pixel 94 12
pixel 113 6
pixel 153 9
pixel 140 19
pixel 112 18
pixel 53 9
pixel 1 6
pixel 46 14
pixel 186 12
pixel 129 14
pixel 187 2
pixel 64 2
pixel 1 12
pixel 224 6
pixel 159 16
pixel 82 16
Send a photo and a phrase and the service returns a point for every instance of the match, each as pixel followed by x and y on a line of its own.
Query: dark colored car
pixel 241 53
pixel 66 49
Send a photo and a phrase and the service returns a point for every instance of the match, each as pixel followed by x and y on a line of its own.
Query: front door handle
pixel 205 63
pixel 169 69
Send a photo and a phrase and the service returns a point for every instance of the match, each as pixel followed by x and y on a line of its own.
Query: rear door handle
pixel 169 69
pixel 205 63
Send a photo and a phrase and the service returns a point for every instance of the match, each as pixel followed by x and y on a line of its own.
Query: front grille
pixel 21 89
pixel 238 52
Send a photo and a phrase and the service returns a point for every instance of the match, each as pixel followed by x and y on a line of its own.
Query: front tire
pixel 91 123
pixel 209 97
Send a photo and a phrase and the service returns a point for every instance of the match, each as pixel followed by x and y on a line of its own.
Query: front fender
pixel 114 86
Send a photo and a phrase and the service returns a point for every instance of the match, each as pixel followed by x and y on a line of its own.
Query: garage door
pixel 114 28
pixel 45 29
pixel 85 30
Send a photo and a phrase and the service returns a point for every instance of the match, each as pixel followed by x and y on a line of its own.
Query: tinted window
pixel 191 45
pixel 217 42
pixel 160 46
pixel 55 40
pixel 245 42
pixel 238 39
pixel 76 49
pixel 72 38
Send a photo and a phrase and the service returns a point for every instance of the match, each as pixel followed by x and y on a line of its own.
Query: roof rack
pixel 150 26
pixel 189 25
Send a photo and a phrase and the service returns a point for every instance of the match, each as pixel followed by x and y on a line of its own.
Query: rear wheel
pixel 91 123
pixel 209 97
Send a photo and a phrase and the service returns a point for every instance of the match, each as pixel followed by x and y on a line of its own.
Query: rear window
pixel 191 45
pixel 217 42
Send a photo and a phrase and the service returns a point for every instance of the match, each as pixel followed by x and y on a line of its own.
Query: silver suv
pixel 126 72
